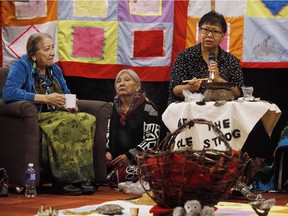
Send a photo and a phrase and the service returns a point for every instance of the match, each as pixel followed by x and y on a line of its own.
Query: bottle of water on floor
pixel 30 181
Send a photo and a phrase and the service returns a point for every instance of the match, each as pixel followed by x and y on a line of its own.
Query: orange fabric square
pixel 236 36
pixel 10 18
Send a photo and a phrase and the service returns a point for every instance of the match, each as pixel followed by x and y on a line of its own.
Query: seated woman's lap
pixel 67 143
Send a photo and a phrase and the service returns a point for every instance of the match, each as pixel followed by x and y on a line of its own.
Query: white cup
pixel 70 101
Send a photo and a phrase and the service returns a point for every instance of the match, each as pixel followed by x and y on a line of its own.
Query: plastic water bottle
pixel 30 181
pixel 4 182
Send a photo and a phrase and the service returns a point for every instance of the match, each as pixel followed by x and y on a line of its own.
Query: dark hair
pixel 33 41
pixel 214 18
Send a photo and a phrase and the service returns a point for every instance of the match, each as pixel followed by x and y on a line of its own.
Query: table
pixel 235 119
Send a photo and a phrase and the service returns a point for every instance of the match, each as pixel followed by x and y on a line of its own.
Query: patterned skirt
pixel 67 145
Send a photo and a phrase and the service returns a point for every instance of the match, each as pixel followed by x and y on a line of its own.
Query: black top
pixel 190 63
pixel 141 131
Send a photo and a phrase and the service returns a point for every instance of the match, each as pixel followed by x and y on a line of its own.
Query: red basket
pixel 177 176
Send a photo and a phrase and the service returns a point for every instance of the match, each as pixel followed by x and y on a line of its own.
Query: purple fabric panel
pixel 167 13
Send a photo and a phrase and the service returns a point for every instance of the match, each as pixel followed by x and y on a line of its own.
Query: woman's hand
pixel 121 159
pixel 213 68
pixel 108 156
pixel 108 159
pixel 194 85
pixel 54 99
pixel 217 78
pixel 72 110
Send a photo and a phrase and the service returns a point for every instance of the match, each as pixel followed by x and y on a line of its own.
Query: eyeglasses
pixel 206 31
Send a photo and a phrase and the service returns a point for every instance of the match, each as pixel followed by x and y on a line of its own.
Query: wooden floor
pixel 18 205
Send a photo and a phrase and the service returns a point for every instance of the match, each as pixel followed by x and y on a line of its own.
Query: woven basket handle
pixel 169 141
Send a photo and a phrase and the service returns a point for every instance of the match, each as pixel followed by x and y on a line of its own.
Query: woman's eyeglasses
pixel 206 31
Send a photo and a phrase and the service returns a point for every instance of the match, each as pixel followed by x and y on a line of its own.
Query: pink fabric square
pixel 88 42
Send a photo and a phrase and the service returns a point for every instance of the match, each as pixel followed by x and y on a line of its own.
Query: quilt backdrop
pixel 97 38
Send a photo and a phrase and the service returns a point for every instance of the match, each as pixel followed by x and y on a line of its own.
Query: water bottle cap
pixel 30 164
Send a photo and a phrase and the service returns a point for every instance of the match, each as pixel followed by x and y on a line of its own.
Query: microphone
pixel 211 57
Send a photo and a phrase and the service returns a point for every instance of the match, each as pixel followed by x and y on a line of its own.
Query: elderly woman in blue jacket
pixel 67 135
pixel 37 70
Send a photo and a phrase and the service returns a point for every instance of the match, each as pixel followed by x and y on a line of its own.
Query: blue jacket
pixel 20 81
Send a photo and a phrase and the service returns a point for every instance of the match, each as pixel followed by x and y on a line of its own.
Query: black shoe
pixel 70 190
pixel 87 189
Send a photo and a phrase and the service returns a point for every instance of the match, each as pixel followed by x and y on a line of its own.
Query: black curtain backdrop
pixel 269 84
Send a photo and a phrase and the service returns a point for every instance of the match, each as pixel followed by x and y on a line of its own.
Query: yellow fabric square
pixel 92 8
pixel 65 40
pixel 256 8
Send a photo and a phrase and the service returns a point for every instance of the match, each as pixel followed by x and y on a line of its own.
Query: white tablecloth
pixel 235 119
